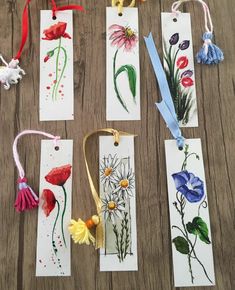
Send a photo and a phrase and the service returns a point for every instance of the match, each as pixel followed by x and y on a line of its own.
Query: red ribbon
pixel 25 21
pixel 62 8
pixel 24 29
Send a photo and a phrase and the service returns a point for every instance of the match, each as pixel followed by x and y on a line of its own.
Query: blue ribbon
pixel 166 106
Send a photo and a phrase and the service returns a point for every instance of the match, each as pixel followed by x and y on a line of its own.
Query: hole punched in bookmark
pixel 80 230
pixel 119 5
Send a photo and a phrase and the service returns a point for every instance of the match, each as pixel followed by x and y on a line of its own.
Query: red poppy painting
pixel 58 176
pixel 49 201
pixel 57 32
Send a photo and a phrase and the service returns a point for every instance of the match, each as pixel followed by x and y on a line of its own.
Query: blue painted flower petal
pixel 193 196
pixel 189 185
pixel 180 179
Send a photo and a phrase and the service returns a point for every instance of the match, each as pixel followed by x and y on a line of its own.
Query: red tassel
pixel 26 198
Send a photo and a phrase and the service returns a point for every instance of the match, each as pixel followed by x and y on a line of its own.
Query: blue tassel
pixel 209 53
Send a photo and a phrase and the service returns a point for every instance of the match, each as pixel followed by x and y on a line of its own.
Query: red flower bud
pixel 46 58
pixel 187 82
pixel 182 62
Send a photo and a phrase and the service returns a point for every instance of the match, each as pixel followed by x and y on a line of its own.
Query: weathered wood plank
pixel 19 110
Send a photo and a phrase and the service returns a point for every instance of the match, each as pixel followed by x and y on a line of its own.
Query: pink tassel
pixel 26 198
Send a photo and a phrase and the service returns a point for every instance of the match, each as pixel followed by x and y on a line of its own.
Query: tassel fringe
pixel 26 198
pixel 209 53
pixel 80 230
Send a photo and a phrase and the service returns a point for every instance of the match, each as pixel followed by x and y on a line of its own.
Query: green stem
pixel 183 167
pixel 53 230
pixel 115 83
pixel 62 72
pixel 126 234
pixel 57 67
pixel 175 59
pixel 192 249
pixel 62 218
pixel 117 241
pixel 122 241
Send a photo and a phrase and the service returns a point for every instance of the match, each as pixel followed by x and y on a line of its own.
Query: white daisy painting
pixel 117 192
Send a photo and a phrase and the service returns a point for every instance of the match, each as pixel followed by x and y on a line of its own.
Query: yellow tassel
pixel 80 230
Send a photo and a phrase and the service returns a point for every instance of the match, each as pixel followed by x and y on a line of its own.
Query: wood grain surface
pixel 19 110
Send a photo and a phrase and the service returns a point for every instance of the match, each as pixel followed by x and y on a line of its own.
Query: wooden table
pixel 19 110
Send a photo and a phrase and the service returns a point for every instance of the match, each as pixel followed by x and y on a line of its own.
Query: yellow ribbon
pixel 99 228
pixel 119 4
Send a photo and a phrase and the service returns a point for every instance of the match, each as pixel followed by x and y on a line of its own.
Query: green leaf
pixel 199 228
pixel 131 73
pixel 181 245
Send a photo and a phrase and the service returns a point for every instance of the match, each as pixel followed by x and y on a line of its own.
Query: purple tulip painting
pixel 178 75
pixel 190 190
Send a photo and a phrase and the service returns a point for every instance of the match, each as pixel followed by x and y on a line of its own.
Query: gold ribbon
pixel 119 4
pixel 99 228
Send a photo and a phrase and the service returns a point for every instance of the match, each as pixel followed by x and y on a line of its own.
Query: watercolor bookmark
pixel 179 66
pixel 122 65
pixel 54 213
pixel 189 215
pixel 56 66
pixel 118 195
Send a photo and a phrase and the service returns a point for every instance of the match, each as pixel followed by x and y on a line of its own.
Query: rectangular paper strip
pixel 53 240
pixel 179 66
pixel 118 194
pixel 56 67
pixel 189 216
pixel 122 65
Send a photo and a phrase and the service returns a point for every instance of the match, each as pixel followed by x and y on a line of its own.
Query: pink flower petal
pixel 119 41
pixel 116 34
pixel 116 26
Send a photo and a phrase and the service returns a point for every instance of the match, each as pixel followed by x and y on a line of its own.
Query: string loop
pixel 209 52
pixel 15 152
pixel 54 8
pixel 207 16
pixel 26 198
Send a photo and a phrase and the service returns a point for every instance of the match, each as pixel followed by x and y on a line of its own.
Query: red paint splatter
pixel 62 95
pixel 48 87
pixel 55 81
pixel 60 91
pixel 50 75
pixel 62 86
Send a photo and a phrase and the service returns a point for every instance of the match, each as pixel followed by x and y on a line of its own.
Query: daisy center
pixel 129 32
pixel 108 171
pixel 124 183
pixel 112 205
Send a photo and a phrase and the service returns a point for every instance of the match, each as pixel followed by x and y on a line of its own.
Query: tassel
pixel 209 53
pixel 80 230
pixel 26 198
